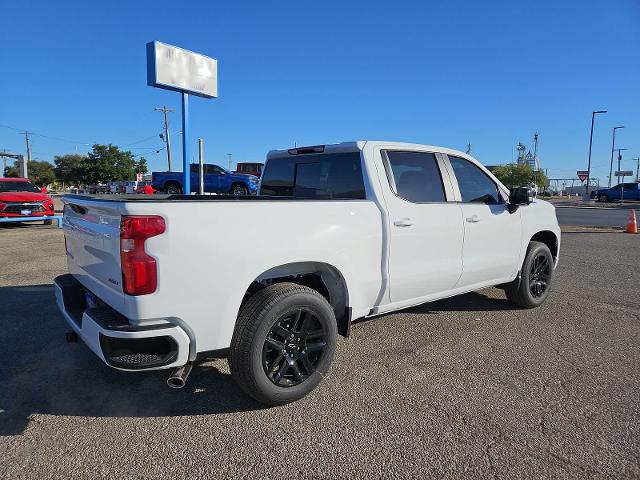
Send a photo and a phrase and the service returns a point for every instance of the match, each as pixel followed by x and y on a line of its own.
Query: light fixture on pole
pixel 593 116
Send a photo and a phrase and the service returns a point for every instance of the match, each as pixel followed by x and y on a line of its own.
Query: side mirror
pixel 43 190
pixel 519 196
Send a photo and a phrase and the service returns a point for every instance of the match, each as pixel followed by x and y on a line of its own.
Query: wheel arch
pixel 169 183
pixel 550 239
pixel 238 182
pixel 320 276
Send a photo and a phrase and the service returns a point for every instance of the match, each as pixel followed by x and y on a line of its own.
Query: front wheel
pixel 603 198
pixel 239 189
pixel 532 288
pixel 283 343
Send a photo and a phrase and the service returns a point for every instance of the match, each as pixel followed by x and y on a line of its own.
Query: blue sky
pixel 444 73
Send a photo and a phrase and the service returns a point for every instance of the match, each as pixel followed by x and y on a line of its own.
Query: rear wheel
pixel 283 343
pixel 532 288
pixel 239 189
pixel 173 189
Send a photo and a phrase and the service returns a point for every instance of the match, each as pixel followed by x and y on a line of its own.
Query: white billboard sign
pixel 175 68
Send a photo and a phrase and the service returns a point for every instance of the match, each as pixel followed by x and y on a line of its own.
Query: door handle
pixel 403 222
pixel 473 219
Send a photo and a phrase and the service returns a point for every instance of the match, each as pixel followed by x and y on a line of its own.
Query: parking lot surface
pixel 465 387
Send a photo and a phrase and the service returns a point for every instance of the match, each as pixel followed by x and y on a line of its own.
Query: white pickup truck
pixel 338 233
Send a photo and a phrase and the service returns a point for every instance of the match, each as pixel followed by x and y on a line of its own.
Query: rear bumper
pixel 34 214
pixel 113 339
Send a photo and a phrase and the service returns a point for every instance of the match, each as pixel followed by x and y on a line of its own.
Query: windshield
pixel 18 187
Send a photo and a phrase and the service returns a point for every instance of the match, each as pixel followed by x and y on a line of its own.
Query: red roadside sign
pixel 582 175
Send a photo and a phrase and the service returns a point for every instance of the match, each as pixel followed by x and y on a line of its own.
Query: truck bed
pixel 128 198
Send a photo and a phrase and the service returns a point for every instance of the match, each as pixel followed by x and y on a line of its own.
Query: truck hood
pixel 246 176
pixel 23 197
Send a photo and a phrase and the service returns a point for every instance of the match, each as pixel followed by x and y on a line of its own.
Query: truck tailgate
pixel 92 237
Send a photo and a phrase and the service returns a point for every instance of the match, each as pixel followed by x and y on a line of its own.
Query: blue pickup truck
pixel 631 192
pixel 216 179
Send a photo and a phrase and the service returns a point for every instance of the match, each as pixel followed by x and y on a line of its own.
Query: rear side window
pixel 327 176
pixel 475 186
pixel 415 176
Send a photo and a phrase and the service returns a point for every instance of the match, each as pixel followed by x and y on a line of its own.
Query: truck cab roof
pixel 356 145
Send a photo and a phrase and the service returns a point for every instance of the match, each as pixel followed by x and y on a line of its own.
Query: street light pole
pixel 613 147
pixel 593 116
pixel 637 168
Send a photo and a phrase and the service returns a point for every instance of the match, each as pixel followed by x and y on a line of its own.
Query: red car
pixel 21 198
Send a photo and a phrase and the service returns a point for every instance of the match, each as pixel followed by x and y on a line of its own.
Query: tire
pixel 603 198
pixel 531 289
pixel 258 354
pixel 48 222
pixel 239 189
pixel 172 189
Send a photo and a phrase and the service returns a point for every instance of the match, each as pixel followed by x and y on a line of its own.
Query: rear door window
pixel 415 176
pixel 326 176
pixel 475 185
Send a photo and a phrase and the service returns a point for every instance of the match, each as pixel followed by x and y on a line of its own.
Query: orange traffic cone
pixel 632 226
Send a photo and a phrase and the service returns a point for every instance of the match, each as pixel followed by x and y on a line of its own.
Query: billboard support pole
pixel 185 145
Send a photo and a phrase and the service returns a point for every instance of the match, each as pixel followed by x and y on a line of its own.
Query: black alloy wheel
pixel 293 348
pixel 283 343
pixel 531 288
pixel 539 275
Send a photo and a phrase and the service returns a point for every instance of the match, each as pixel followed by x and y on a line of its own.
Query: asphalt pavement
pixel 594 216
pixel 468 387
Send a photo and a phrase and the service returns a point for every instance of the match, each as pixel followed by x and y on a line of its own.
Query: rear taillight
pixel 139 271
pixel 2 206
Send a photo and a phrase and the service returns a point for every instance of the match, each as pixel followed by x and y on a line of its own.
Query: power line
pixel 140 141
pixel 50 137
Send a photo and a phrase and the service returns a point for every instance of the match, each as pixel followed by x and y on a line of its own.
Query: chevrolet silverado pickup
pixel 337 233
pixel 215 180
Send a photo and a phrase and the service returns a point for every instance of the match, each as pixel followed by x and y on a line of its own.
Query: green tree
pixel 39 172
pixel 70 168
pixel 141 166
pixel 12 171
pixel 106 163
pixel 519 175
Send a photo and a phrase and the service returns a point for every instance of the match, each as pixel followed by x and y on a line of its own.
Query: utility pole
pixel 24 164
pixel 167 139
pixel 230 155
pixel 613 147
pixel 637 169
pixel 619 160
pixel 593 116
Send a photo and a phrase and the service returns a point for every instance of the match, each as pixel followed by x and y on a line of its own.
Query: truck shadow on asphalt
pixel 41 374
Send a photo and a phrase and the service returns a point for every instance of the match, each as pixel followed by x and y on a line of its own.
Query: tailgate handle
pixel 78 208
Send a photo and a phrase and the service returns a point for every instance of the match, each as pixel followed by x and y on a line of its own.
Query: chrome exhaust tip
pixel 178 378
